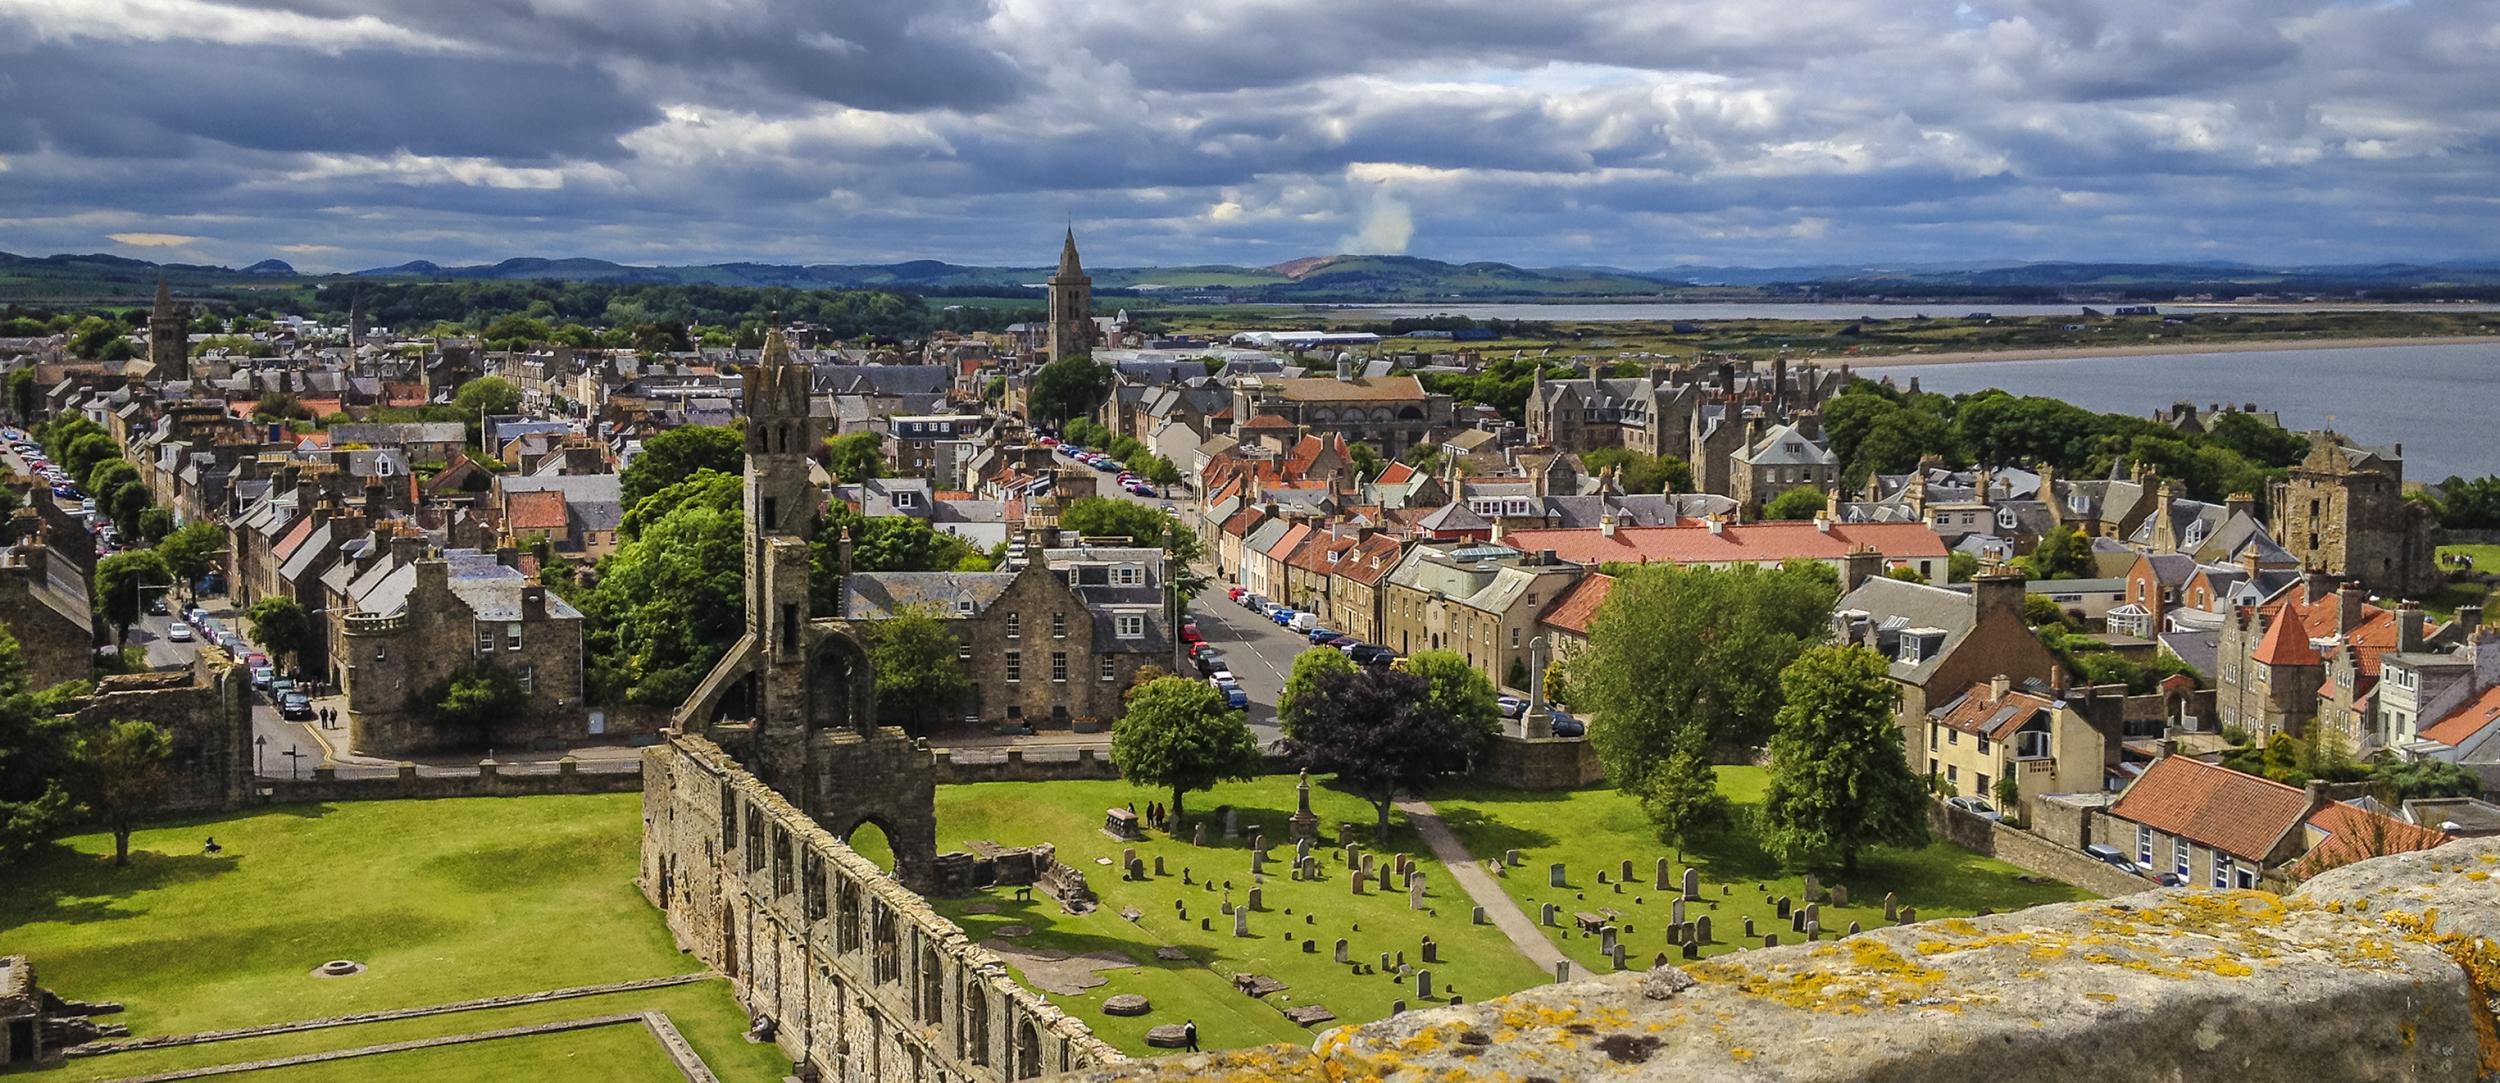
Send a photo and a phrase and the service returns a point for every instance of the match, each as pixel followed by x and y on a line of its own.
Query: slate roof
pixel 397 433
pixel 1695 543
pixel 2239 814
pixel 492 591
pixel 1893 606
pixel 878 595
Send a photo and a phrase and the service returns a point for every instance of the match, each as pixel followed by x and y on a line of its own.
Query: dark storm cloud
pixel 1568 131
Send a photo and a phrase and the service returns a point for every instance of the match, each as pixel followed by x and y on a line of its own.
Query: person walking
pixel 1189 1034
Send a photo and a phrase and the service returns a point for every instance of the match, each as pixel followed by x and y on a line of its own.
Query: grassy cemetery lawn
pixel 442 901
pixel 1593 831
pixel 1475 962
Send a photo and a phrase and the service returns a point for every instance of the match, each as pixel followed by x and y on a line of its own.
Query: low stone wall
pixel 2031 853
pixel 489 780
pixel 958 766
pixel 2383 970
pixel 1539 763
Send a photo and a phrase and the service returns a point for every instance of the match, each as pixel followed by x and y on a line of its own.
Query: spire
pixel 777 347
pixel 1068 265
pixel 165 296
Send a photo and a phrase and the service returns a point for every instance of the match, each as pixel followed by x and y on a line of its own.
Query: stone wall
pixel 2031 853
pixel 1041 765
pixel 1539 763
pixel 857 977
pixel 2383 970
pixel 488 780
pixel 208 711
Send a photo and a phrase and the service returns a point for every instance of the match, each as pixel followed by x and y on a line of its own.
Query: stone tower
pixel 2342 511
pixel 169 335
pixel 1071 305
pixel 794 700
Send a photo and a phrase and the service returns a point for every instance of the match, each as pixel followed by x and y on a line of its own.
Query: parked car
pixel 1211 662
pixel 156 607
pixel 2110 855
pixel 295 707
pixel 1234 594
pixel 261 676
pixel 179 633
pixel 1235 698
pixel 2170 879
pixel 1340 642
pixel 1366 654
pixel 1320 636
pixel 1223 677
pixel 1567 726
pixel 1190 632
pixel 1512 706
pixel 1975 806
pixel 1254 601
pixel 1304 621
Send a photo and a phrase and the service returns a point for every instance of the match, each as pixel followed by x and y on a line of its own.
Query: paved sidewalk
pixel 1470 874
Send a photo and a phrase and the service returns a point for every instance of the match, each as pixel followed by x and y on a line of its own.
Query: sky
pixel 342 134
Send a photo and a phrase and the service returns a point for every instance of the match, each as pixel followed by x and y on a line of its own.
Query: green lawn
pixel 442 900
pixel 2443 602
pixel 1594 830
pixel 1475 960
pixel 623 1053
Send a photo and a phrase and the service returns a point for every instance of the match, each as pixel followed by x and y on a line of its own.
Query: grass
pixel 1593 830
pixel 621 1053
pixel 442 900
pixel 2443 603
pixel 1475 960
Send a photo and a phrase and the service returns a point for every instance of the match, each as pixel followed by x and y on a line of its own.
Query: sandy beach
pixel 2149 349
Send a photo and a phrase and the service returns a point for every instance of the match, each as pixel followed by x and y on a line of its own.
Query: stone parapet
pixel 2384 970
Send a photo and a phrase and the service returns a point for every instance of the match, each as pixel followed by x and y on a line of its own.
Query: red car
pixel 1189 633
pixel 1234 595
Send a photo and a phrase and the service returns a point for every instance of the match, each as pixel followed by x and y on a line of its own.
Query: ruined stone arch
pixel 841 685
pixel 1028 1059
pixel 846 925
pixel 976 1022
pixel 932 999
pixel 886 943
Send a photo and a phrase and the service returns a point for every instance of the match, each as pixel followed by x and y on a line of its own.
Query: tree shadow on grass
pixel 59 883
pixel 1487 838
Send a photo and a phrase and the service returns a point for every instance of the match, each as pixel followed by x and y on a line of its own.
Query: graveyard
pixel 438 902
pixel 1082 962
pixel 1592 833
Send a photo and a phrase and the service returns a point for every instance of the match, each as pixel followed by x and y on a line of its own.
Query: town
pixel 957 671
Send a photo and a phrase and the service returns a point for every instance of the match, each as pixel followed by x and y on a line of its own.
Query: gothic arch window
pixel 1028 1051
pixel 932 985
pixel 976 1023
pixel 888 962
pixel 846 919
pixel 1411 414
pixel 1381 414
pixel 1323 416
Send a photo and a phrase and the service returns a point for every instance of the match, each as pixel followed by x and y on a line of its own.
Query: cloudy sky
pixel 340 134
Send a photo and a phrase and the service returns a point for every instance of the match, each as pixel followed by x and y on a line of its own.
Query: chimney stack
pixel 1998 687
pixel 1606 525
pixel 1998 591
pixel 1863 563
pixel 2409 622
pixel 1718 523
pixel 2350 605
pixel 533 602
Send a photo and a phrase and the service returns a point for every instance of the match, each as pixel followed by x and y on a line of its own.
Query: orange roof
pixel 2462 724
pixel 539 510
pixel 1980 712
pixel 1292 537
pixel 1358 389
pixel 1395 473
pixel 1577 609
pixel 2241 815
pixel 2286 642
pixel 293 539
pixel 1694 543
pixel 1268 421
pixel 950 494
pixel 2354 834
pixel 1371 559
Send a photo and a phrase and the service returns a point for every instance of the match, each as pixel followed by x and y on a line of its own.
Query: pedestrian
pixel 1189 1034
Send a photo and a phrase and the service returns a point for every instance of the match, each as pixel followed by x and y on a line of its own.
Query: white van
pixel 1304 620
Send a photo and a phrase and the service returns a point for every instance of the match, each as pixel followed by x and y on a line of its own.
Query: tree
pixel 24 397
pixel 1674 647
pixel 1685 798
pixel 1160 472
pixel 1308 667
pixel 1378 732
pixel 110 475
pixel 38 759
pixel 191 551
pixel 678 454
pixel 667 605
pixel 1366 460
pixel 855 456
pixel 154 524
pixel 1178 733
pixel 1840 781
pixel 1458 691
pixel 1641 472
pixel 1068 388
pixel 125 776
pixel 486 395
pixel 1961 566
pixel 280 624
pixel 2407 779
pixel 2063 553
pixel 706 489
pixel 87 451
pixel 124 507
pixel 1802 502
pixel 120 580
pixel 1103 517
pixel 920 675
pixel 280 406
pixel 478 697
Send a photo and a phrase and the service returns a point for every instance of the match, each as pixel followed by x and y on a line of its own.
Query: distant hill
pixel 1332 279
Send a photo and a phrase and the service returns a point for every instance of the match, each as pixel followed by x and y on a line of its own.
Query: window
pixel 1952 774
pixel 1058 626
pixel 529 676
pixel 1953 737
pixel 1982 788
pixel 1931 767
pixel 2179 856
pixel 1514 639
pixel 963 653
pixel 1127 575
pixel 1132 626
pixel 2031 745
pixel 1015 625
pixel 963 607
pixel 2222 870
pixel 1983 746
pixel 1059 666
pixel 485 638
pixel 2144 846
pixel 1109 673
pixel 1015 666
pixel 512 636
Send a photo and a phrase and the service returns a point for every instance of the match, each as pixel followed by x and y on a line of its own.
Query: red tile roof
pixel 2356 834
pixel 2462 724
pixel 2286 642
pixel 1577 609
pixel 1395 473
pixel 1980 712
pixel 1694 543
pixel 539 510
pixel 1371 559
pixel 292 539
pixel 2238 814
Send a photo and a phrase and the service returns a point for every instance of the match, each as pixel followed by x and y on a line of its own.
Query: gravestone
pixel 1616 953
pixel 1357 881
pixel 1345 834
pixel 1159 866
pixel 1814 912
pixel 1414 892
pixel 1198 836
pixel 1701 929
pixel 1511 857
pixel 1423 985
pixel 1128 854
pixel 1227 908
pixel 1796 921
pixel 1840 894
pixel 1120 823
pixel 1310 868
pixel 1353 855
pixel 1603 878
pixel 1232 823
pixel 1892 907
pixel 1258 844
pixel 1562 970
pixel 1675 911
pixel 1384 960
pixel 1909 915
pixel 1371 862
pixel 1432 950
pixel 1241 923
pixel 1397 1007
pixel 1814 930
pixel 1770 940
pixel 1206 925
pixel 1310 947
pixel 1606 941
pixel 1258 897
pixel 1258 863
pixel 1692 883
pixel 1813 886
pixel 1545 914
pixel 1658 960
pixel 1136 869
pixel 1665 880
pixel 1673 933
pixel 1624 873
pixel 1401 958
pixel 1304 825
pixel 1749 934
pixel 1784 906
pixel 1692 950
pixel 1456 1000
pixel 1554 875
pixel 1302 849
pixel 1853 928
pixel 1475 916
pixel 1341 952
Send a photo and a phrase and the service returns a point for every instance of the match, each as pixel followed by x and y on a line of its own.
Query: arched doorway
pixel 868 839
pixel 1028 1050
pixel 729 939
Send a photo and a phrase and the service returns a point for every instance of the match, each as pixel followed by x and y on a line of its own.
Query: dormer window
pixel 2005 519
pixel 2195 533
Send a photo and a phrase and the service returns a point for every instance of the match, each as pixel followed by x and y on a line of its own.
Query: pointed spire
pixel 1068 265
pixel 777 346
pixel 164 295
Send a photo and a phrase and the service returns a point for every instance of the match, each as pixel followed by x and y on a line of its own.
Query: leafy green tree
pixel 2407 780
pixel 1641 472
pixel 706 488
pixel 920 678
pixel 678 454
pixel 191 551
pixel 2063 553
pixel 667 605
pixel 1308 667
pixel 1378 732
pixel 1367 460
pixel 1685 799
pixel 280 406
pixel 1068 388
pixel 38 754
pixel 62 430
pixel 154 524
pixel 125 775
pixel 2256 439
pixel 1458 692
pixel 280 624
pixel 1676 647
pixel 120 581
pixel 479 697
pixel 124 506
pixel 1802 502
pixel 88 451
pixel 97 338
pixel 109 476
pixel 1178 733
pixel 25 399
pixel 855 456
pixel 1961 566
pixel 1907 574
pixel 488 395
pixel 1840 781
pixel 1160 472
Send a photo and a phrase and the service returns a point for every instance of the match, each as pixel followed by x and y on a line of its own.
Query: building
pixel 2211 826
pixel 1940 642
pixel 2042 739
pixel 423 621
pixel 1391 413
pixel 1788 456
pixel 169 337
pixel 1482 602
pixel 1716 543
pixel 1071 305
pixel 2343 511
pixel 45 606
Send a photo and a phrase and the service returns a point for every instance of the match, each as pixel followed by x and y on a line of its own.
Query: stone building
pixel 2343 511
pixel 169 336
pixel 1787 456
pixel 2046 740
pixel 207 711
pixel 1391 413
pixel 1482 602
pixel 1071 305
pixel 424 620
pixel 1940 642
pixel 45 606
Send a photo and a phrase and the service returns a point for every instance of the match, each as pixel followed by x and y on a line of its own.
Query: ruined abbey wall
pixel 859 978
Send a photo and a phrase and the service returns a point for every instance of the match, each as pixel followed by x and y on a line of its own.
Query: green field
pixel 2443 602
pixel 1476 961
pixel 1594 830
pixel 443 901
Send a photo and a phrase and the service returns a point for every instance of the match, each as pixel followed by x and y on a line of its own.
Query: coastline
pixel 2163 349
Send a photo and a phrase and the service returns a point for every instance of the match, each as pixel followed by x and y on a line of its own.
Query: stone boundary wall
pixel 961 766
pixel 1539 763
pixel 167 1041
pixel 488 780
pixel 857 977
pixel 2385 970
pixel 2031 853
pixel 414 1044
